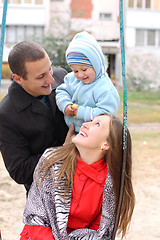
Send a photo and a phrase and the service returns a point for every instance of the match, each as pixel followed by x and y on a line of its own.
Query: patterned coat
pixel 46 207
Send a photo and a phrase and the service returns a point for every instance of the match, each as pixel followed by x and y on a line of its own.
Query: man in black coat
pixel 30 121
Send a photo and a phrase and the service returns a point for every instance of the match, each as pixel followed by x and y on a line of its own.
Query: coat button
pixel 100 178
pixel 24 233
pixel 75 199
pixel 82 177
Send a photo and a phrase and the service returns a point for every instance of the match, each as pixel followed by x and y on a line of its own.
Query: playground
pixel 146 163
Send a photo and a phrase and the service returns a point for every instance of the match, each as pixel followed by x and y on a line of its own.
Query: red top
pixel 86 202
pixel 87 195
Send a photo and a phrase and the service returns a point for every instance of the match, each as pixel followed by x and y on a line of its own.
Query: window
pixel 151 37
pixel 105 16
pixel 156 4
pixel 11 34
pixel 141 3
pixel 148 4
pixel 139 37
pixel 130 3
pixel 38 2
pixel 38 31
pixel 16 1
pixel 20 33
pixel 16 34
pixel 13 1
pixel 147 38
pixel 34 2
pixel 28 1
pixel 29 32
pixel 159 38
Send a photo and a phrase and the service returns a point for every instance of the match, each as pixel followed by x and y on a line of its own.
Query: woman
pixel 76 187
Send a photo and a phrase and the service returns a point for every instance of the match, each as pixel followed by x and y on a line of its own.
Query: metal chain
pixel 121 16
pixel 3 26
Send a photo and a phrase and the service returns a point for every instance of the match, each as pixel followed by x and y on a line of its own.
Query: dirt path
pixel 144 127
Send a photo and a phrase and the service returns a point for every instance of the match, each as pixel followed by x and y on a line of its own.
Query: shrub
pixel 143 72
pixel 6 72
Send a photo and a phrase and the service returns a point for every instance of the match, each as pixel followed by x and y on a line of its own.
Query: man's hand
pixel 70 135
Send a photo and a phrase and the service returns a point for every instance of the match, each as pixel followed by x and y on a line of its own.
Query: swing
pixel 124 98
pixel 124 117
pixel 2 35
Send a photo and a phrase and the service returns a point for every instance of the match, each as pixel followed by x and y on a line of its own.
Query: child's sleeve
pixel 106 101
pixel 64 94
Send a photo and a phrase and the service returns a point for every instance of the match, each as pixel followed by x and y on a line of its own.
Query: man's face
pixel 39 77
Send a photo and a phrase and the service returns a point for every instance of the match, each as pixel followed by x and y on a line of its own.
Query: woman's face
pixel 93 135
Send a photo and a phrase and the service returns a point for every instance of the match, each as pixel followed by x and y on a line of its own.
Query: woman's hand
pixel 70 135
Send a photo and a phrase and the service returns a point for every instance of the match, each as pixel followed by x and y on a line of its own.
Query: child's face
pixel 84 73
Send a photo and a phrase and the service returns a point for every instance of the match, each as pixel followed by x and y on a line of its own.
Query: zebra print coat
pixel 46 207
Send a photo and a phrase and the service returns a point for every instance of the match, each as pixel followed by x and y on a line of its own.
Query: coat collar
pixel 17 93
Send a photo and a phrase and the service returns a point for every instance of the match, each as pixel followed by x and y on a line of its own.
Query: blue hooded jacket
pixel 94 98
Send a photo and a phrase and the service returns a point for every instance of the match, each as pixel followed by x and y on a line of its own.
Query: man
pixel 30 121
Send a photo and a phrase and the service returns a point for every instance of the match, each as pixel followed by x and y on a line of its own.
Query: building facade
pixel 25 19
pixel 143 43
pixel 28 18
pixel 100 18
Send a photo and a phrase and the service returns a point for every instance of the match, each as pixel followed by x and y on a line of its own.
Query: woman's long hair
pixel 67 155
pixel 114 158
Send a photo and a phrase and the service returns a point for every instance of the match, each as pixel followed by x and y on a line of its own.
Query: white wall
pixel 25 15
pixel 106 29
pixel 142 62
pixel 143 18
pixel 140 19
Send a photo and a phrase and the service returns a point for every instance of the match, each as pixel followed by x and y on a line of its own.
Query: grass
pixel 2 96
pixel 140 113
pixel 148 98
pixel 142 107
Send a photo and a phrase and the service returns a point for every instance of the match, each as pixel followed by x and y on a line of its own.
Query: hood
pixel 86 44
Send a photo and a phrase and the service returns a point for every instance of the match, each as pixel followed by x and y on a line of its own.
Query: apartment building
pixel 143 42
pixel 25 19
pixel 28 18
pixel 99 17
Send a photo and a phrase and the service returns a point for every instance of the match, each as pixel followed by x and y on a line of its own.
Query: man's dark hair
pixel 24 52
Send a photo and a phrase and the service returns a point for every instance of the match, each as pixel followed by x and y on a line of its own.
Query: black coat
pixel 27 128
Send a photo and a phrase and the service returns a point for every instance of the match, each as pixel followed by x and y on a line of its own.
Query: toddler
pixel 87 91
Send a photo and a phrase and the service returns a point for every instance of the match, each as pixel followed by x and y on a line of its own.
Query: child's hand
pixel 75 109
pixel 69 111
